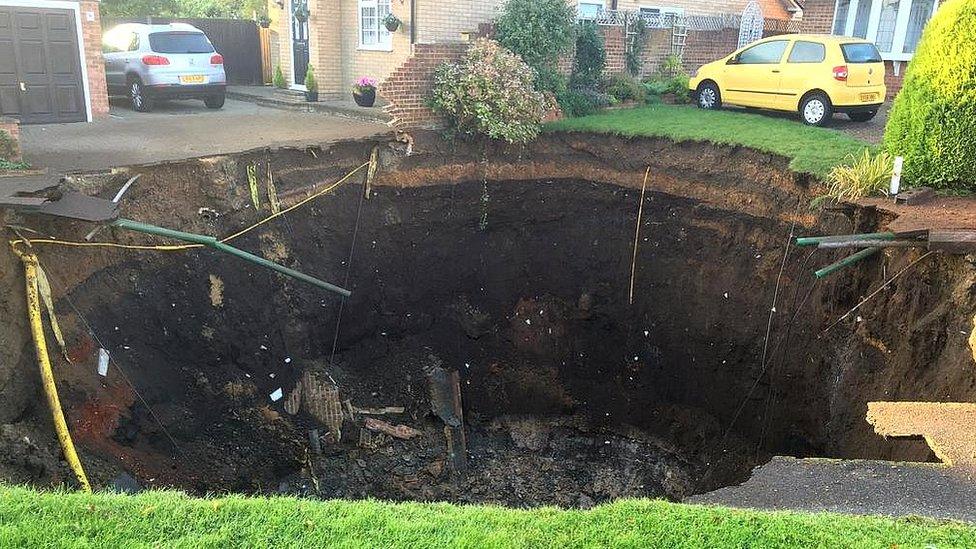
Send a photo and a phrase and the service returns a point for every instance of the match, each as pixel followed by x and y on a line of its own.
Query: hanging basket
pixel 392 22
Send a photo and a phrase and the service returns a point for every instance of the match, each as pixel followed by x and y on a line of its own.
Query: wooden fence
pixel 235 39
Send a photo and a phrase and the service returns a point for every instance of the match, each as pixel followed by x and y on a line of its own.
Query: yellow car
pixel 815 75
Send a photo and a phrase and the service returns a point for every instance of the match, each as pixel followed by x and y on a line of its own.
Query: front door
pixel 299 39
pixel 40 72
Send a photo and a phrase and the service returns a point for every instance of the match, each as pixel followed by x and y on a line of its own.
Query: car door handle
pixel 776 71
pixel 23 86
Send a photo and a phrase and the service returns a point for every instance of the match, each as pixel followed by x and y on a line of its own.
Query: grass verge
pixel 810 150
pixel 170 519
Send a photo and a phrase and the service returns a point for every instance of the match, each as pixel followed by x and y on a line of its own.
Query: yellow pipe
pixel 47 377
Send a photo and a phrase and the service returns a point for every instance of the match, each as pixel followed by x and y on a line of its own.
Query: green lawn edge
pixel 31 518
pixel 810 150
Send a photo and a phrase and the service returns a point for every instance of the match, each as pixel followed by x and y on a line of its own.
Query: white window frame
pixel 384 38
pixel 76 8
pixel 662 11
pixel 901 25
pixel 579 14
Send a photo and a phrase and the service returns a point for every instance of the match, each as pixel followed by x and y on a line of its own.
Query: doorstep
pixel 293 100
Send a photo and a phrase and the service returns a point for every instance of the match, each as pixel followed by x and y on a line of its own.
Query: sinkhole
pixel 228 377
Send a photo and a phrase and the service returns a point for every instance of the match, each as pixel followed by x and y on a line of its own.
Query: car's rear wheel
pixel 709 97
pixel 214 101
pixel 140 99
pixel 862 116
pixel 816 110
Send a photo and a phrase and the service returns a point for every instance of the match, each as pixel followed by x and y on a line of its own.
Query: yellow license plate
pixel 197 79
pixel 865 97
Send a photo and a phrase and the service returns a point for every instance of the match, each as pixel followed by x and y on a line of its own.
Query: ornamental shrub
pixel 540 31
pixel 624 87
pixel 490 91
pixel 279 78
pixel 933 121
pixel 8 147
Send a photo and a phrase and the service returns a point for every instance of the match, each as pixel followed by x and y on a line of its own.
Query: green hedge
pixel 933 120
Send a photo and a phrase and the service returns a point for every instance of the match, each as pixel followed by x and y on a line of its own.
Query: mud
pixel 512 267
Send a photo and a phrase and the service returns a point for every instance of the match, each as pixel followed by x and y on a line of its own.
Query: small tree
pixel 310 83
pixel 279 78
pixel 933 121
pixel 591 58
pixel 490 91
pixel 540 31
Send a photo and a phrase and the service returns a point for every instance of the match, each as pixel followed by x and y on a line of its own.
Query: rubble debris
pixel 399 431
pixel 102 362
pixel 445 401
pixel 314 441
pixel 379 411
pixel 276 395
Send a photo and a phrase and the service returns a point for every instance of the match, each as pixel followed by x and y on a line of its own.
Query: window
pixel 840 17
pixel 372 32
pixel 917 18
pixel 767 53
pixel 860 53
pixel 588 10
pixel 808 52
pixel 886 24
pixel 660 17
pixel 861 18
pixel 179 42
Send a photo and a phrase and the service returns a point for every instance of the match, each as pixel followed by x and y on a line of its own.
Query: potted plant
pixel 279 78
pixel 311 86
pixel 364 92
pixel 391 22
pixel 264 21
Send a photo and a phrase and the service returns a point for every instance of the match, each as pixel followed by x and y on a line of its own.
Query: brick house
pixel 51 66
pixel 346 39
pixel 895 26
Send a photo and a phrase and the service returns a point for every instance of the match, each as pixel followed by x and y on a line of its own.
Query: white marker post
pixel 896 176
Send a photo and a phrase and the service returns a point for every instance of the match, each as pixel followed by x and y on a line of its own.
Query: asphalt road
pixel 176 130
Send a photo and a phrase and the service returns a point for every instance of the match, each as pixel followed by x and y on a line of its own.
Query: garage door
pixel 40 74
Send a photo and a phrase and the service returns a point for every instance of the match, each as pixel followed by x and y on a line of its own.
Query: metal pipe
pixel 873 243
pixel 847 261
pixel 212 242
pixel 815 240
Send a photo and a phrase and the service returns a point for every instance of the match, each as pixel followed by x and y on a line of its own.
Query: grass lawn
pixel 810 150
pixel 169 519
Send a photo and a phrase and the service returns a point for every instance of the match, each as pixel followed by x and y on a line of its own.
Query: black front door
pixel 40 73
pixel 299 39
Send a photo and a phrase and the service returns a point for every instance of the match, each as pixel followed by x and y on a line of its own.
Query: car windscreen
pixel 860 53
pixel 179 42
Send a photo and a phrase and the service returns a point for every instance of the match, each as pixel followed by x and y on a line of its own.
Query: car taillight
pixel 840 73
pixel 216 59
pixel 153 60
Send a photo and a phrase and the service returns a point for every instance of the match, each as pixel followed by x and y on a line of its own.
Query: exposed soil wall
pixel 511 266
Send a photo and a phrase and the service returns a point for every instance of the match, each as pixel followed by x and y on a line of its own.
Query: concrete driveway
pixel 179 129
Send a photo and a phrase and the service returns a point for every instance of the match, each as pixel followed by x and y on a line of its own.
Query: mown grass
pixel 810 150
pixel 169 519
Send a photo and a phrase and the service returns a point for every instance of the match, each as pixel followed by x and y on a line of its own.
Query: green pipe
pixel 220 246
pixel 815 240
pixel 849 260
pixel 866 243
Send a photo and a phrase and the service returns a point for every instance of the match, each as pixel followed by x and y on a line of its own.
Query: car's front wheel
pixel 709 97
pixel 140 99
pixel 816 110
pixel 214 101
pixel 862 116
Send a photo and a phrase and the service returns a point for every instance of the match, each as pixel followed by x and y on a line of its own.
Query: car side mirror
pixel 734 60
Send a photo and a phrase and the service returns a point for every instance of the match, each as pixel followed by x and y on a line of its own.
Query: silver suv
pixel 176 61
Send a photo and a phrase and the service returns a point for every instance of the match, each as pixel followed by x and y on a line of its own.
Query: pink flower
pixel 366 82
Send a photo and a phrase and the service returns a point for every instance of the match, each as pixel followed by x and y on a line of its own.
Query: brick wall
pixel 615 43
pixel 818 16
pixel 409 86
pixel 894 81
pixel 445 20
pixel 12 127
pixel 94 65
